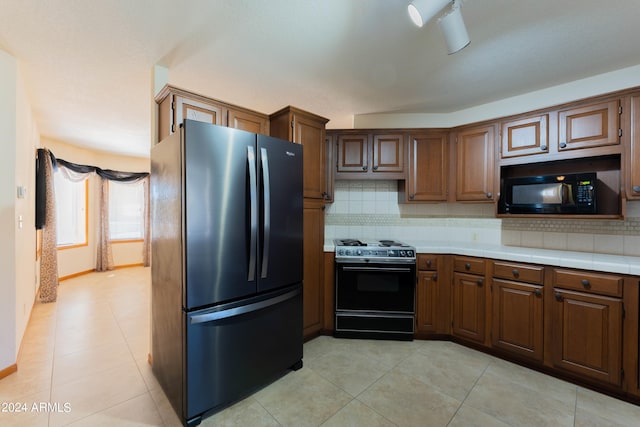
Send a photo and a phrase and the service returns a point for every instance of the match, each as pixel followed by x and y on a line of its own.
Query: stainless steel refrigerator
pixel 226 299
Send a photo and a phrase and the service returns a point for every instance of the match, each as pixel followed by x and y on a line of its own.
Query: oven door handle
pixel 383 269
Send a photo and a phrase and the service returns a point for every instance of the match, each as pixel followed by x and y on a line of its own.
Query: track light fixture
pixel 451 23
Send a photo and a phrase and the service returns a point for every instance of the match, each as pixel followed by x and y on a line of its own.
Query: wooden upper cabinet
pixel 633 159
pixel 526 136
pixel 330 171
pixel 175 105
pixel 589 126
pixel 388 153
pixel 366 154
pixel 475 164
pixel 427 169
pixel 353 153
pixel 308 129
pixel 247 121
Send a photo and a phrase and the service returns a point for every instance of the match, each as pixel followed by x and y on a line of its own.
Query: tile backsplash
pixel 370 210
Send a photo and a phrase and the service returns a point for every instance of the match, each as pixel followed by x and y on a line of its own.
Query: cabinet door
pixel 428 168
pixel 388 153
pixel 633 160
pixel 311 134
pixel 588 335
pixel 525 137
pixel 313 293
pixel 589 126
pixel 353 153
pixel 518 318
pixel 246 121
pixel 186 108
pixel 469 307
pixel 475 160
pixel 427 301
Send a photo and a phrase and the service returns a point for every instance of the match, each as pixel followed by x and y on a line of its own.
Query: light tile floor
pixel 84 363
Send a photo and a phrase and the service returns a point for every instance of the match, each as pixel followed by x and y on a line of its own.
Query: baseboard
pixel 71 276
pixel 82 273
pixel 8 371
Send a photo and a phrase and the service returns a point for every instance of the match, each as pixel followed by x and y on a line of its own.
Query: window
pixel 126 211
pixel 71 211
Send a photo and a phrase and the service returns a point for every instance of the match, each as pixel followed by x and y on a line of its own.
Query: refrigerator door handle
pixel 267 212
pixel 253 214
pixel 244 309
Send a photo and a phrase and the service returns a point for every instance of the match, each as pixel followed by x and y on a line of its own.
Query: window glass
pixel 71 211
pixel 126 211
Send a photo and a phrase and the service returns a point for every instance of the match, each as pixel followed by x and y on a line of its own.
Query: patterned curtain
pixel 104 261
pixel 49 258
pixel 146 246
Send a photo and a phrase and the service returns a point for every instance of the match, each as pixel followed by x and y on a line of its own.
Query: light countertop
pixel 584 260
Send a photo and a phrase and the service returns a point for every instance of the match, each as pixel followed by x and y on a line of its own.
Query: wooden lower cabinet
pixel 313 286
pixel 426 301
pixel 468 305
pixel 518 318
pixel 587 335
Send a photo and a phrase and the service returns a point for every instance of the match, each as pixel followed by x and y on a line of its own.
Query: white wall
pixel 82 259
pixel 18 284
pixel 579 89
pixel 27 141
pixel 8 78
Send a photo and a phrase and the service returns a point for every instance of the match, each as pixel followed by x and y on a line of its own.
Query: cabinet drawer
pixel 468 265
pixel 586 281
pixel 519 272
pixel 427 262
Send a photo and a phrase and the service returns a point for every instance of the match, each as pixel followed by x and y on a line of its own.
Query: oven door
pixel 376 287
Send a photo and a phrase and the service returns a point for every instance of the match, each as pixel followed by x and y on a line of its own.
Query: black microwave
pixel 549 194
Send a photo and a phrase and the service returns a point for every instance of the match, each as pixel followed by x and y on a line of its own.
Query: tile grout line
pixel 469 392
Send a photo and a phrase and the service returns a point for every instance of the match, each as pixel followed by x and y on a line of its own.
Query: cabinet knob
pixel 428 263
pixel 364 168
pixel 636 188
pixel 467 266
pixel 586 283
pixel 489 195
pixel 375 168
pixel 563 145
pixel 435 277
pixel 559 296
pixel 479 282
pixel 515 272
pixel 537 292
pixel 543 148
pixel 411 196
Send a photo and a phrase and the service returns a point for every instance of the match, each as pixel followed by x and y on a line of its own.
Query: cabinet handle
pixel 636 188
pixel 537 292
pixel 515 272
pixel 467 266
pixel 586 283
pixel 411 196
pixel 479 282
pixel 435 277
pixel 375 168
pixel 543 148
pixel 559 296
pixel 489 195
pixel 428 263
pixel 563 145
pixel 364 168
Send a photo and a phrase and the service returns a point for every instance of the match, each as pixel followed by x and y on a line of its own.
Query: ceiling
pixel 87 65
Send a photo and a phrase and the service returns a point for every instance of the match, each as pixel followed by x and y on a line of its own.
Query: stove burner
pixel 352 242
pixel 390 243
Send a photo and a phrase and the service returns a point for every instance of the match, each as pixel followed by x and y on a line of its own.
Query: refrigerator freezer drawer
pixel 230 353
